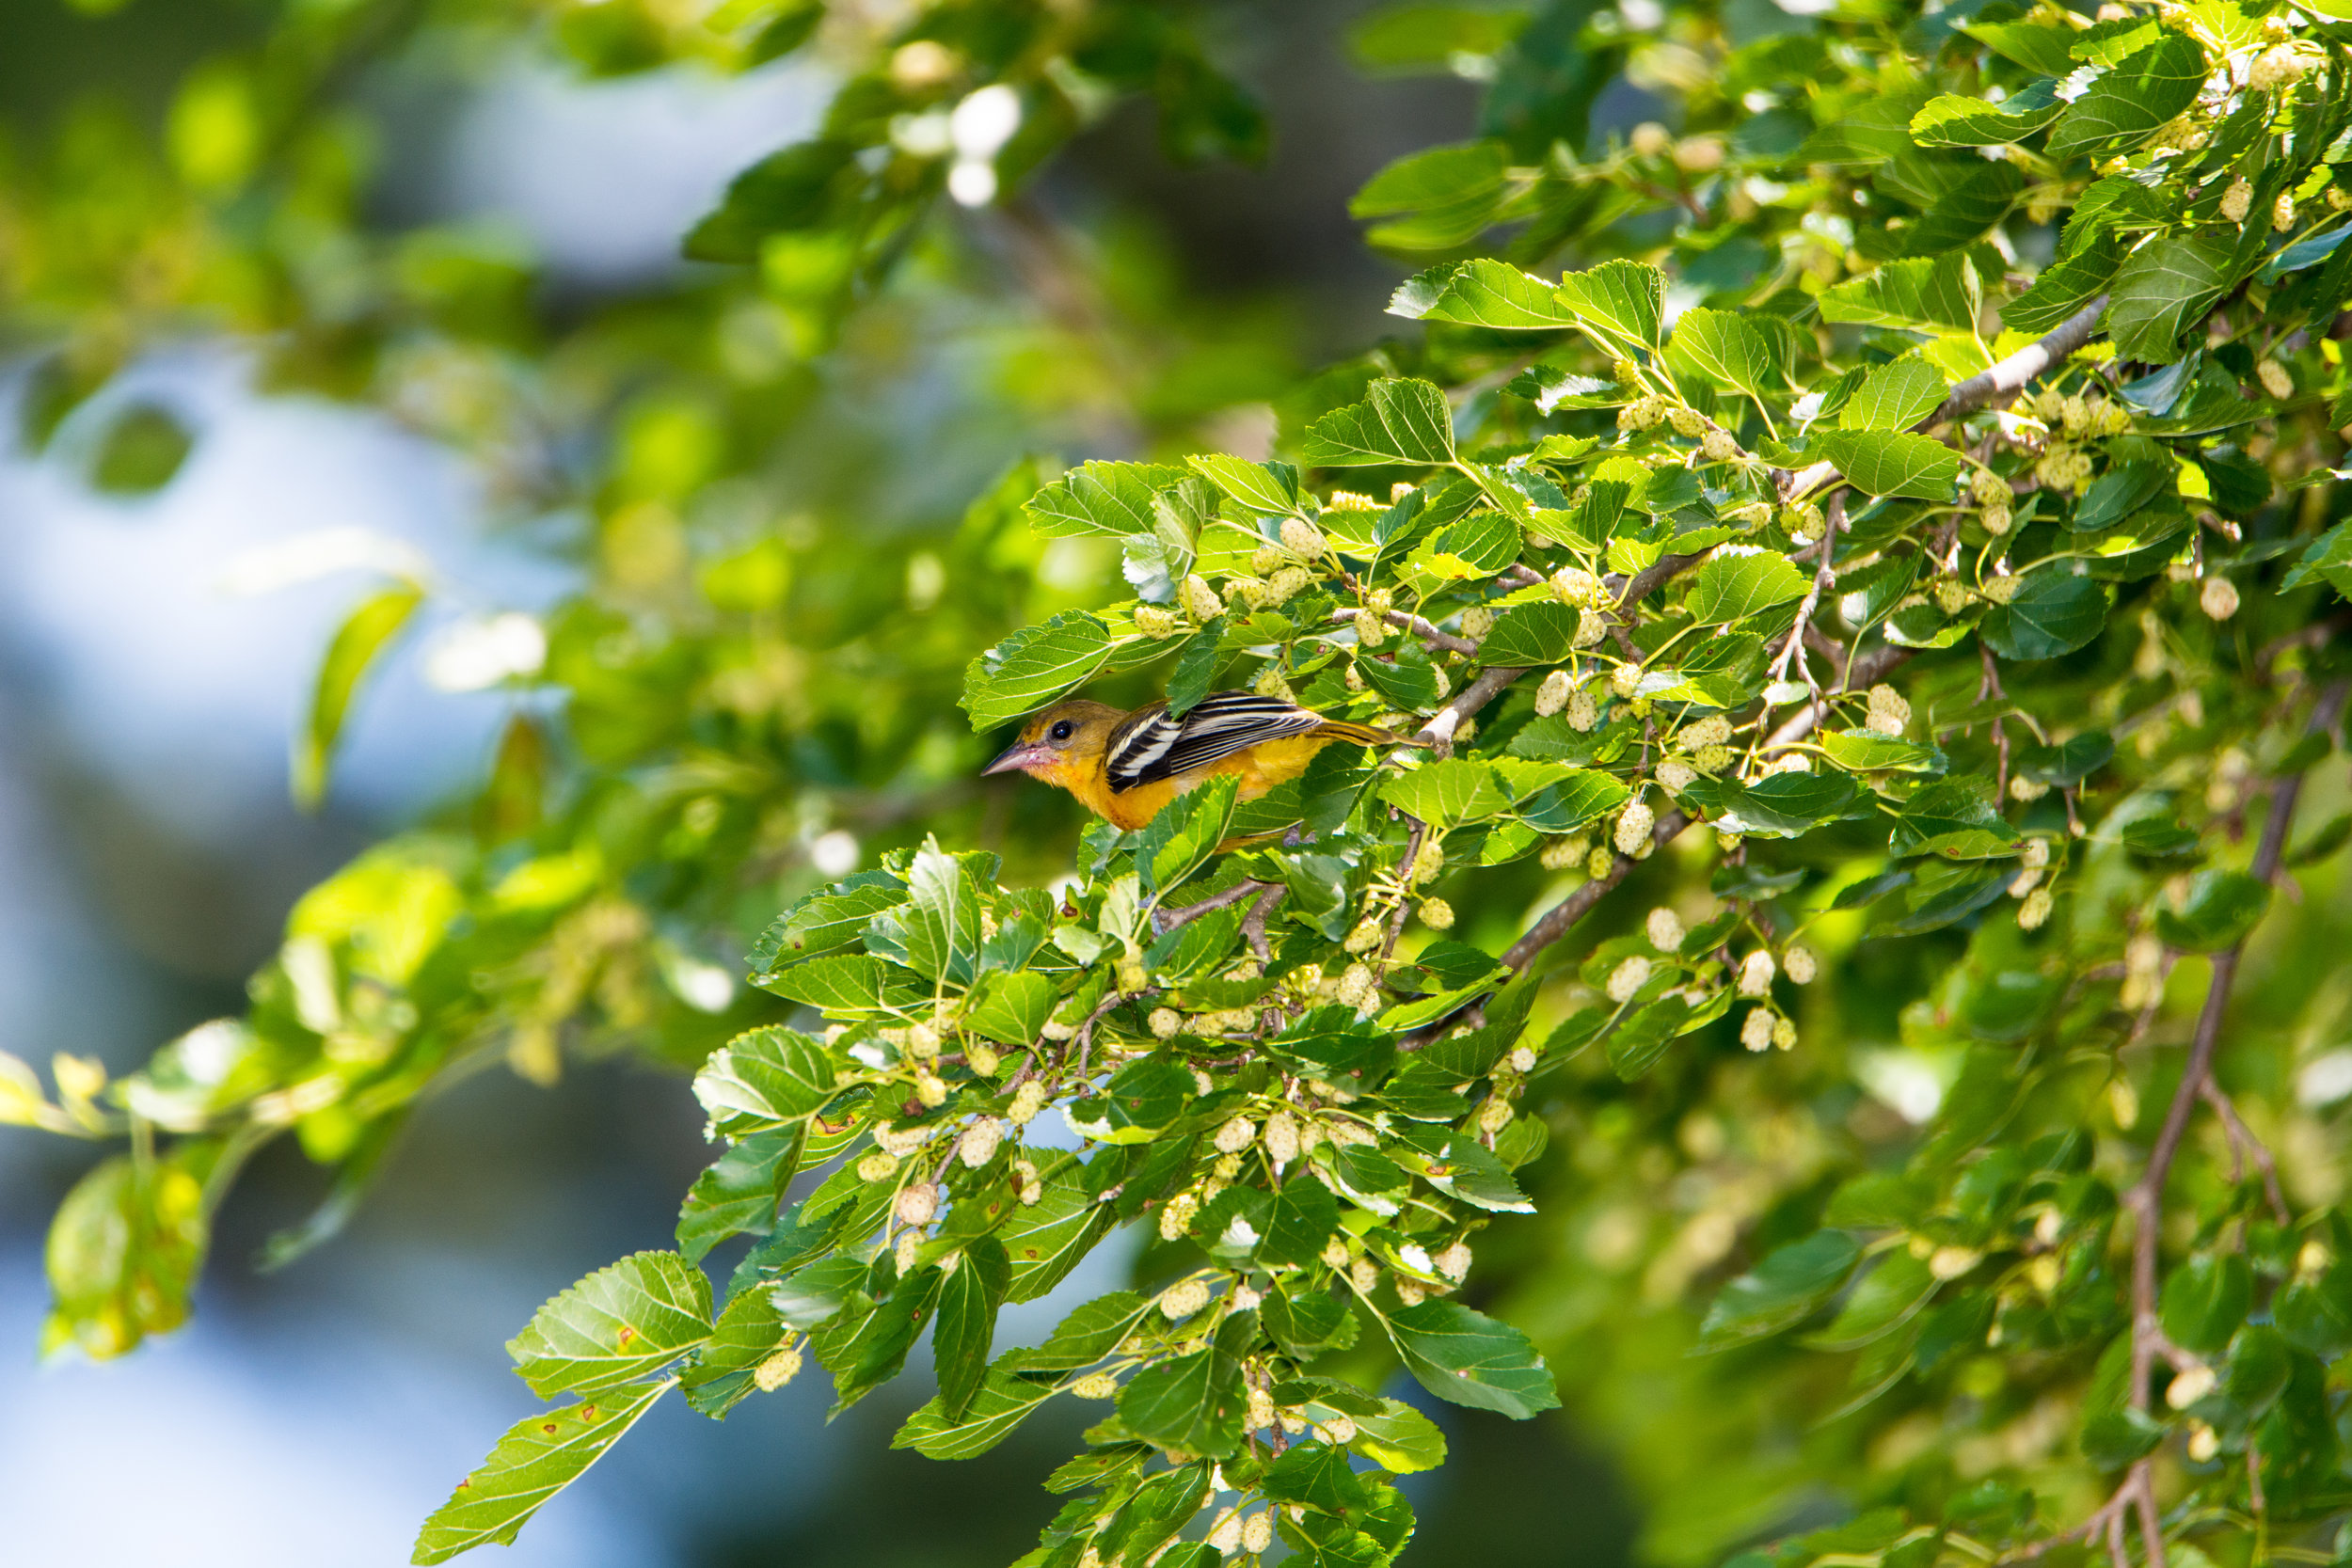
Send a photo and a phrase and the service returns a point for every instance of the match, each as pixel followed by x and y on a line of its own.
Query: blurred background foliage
pixel 342 333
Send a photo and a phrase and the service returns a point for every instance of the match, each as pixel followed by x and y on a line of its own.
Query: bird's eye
pixel 1060 731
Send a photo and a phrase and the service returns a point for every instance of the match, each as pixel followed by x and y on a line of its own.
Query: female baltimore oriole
pixel 1124 766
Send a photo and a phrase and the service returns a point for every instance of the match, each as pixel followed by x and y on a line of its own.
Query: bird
pixel 1125 767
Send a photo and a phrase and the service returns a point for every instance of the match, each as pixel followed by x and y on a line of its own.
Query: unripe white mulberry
pixel 2276 379
pixel 2035 909
pixel 982 1059
pixel 1707 731
pixel 2190 1385
pixel 1095 1385
pixel 1649 139
pixel 1666 930
pixel 1155 623
pixel 1235 1135
pixel 2217 598
pixel 1477 622
pixel 1176 1215
pixel 1718 447
pixel 1687 422
pixel 1755 1030
pixel 1627 977
pixel 1370 631
pixel 1027 1100
pixel 1889 713
pixel 1633 829
pixel 1562 853
pixel 1675 775
pixel 1600 863
pixel 1166 1023
pixel 1429 859
pixel 1365 937
pixel 1989 488
pixel 1626 679
pixel 2238 199
pixel 1287 585
pixel 1455 1261
pixel 930 1088
pixel 1355 985
pixel 1784 1034
pixel 1301 537
pixel 1756 973
pixel 1591 627
pixel 917 1203
pixel 1552 695
pixel 1800 965
pixel 1225 1534
pixel 1257 1532
pixel 1339 1431
pixel 1363 1274
pixel 2282 212
pixel 2026 791
pixel 877 1166
pixel 1437 914
pixel 1583 712
pixel 778 1370
pixel 1996 520
pixel 1199 600
pixel 980 1141
pixel 1181 1300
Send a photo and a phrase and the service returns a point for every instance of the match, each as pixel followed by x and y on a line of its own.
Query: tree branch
pixel 1557 919
pixel 1426 631
pixel 1996 385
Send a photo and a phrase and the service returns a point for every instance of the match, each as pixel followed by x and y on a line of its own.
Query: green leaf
pixel 1969 200
pixel 1953 120
pixel 2036 46
pixel 1484 294
pixel 1895 396
pixel 371 624
pixel 1530 635
pixel 942 919
pixel 967 1322
pixel 1184 834
pixel 723 1375
pixel 1944 894
pixel 1958 818
pixel 1888 1297
pixel 1307 1325
pixel 1622 302
pixel 620 1324
pixel 1100 498
pixel 1783 1288
pixel 1304 1214
pixel 1722 349
pixel 1003 1402
pixel 1740 581
pixel 842 983
pixel 1046 1238
pixel 1867 751
pixel 2217 910
pixel 2065 286
pixel 1469 1358
pixel 1034 666
pixel 1448 794
pixel 2205 1299
pixel 2055 612
pixel 2129 103
pixel 1265 489
pixel 1317 1476
pixel 1892 463
pixel 2162 289
pixel 1012 1008
pixel 538 1457
pixel 1924 295
pixel 1090 1333
pixel 1197 664
pixel 739 1192
pixel 1435 199
pixel 1400 1439
pixel 1193 1403
pixel 764 1078
pixel 1398 421
pixel 834 918
pixel 2117 1437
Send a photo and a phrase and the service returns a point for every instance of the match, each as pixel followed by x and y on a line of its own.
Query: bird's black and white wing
pixel 1152 745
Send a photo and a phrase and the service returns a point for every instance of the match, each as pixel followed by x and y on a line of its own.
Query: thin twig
pixel 1254 923
pixel 1397 921
pixel 1426 631
pixel 1165 920
pixel 2242 1144
pixel 1557 919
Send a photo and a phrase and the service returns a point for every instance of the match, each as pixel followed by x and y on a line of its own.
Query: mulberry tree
pixel 1860 570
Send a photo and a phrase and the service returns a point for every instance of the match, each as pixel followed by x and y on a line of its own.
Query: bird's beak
pixel 1019 757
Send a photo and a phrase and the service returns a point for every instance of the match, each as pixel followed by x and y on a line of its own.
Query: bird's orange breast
pixel 1261 768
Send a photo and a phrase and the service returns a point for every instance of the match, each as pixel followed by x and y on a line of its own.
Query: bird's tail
pixel 1365 734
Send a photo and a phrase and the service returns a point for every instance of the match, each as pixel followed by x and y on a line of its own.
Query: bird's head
pixel 1060 744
